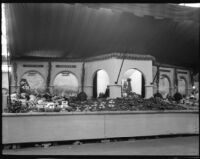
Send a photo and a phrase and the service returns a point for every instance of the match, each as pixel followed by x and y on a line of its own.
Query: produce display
pixel 23 103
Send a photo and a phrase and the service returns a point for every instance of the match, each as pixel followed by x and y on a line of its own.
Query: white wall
pixel 22 70
pixel 107 65
pixel 5 80
pixel 145 67
pixel 187 78
pixel 136 80
pixel 102 81
pixel 170 75
pixel 77 71
pixel 112 67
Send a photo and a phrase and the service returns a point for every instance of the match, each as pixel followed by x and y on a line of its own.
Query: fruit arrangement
pixel 23 103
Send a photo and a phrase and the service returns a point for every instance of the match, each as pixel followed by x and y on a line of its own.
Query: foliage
pixel 177 97
pixel 158 95
pixel 17 107
pixel 24 86
pixel 101 95
pixel 82 96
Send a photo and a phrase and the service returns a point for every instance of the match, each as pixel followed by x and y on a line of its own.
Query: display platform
pixel 63 126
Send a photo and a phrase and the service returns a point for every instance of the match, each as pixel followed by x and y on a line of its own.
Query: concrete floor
pixel 163 146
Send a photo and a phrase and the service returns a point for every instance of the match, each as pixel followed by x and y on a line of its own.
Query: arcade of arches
pixel 100 83
pixel 35 80
pixel 182 86
pixel 102 78
pixel 164 86
pixel 133 81
pixel 65 83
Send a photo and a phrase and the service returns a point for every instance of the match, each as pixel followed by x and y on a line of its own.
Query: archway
pixel 133 81
pixel 100 83
pixel 182 86
pixel 65 84
pixel 164 86
pixel 35 81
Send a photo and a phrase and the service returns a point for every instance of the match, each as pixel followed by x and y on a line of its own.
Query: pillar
pixel 88 90
pixel 149 91
pixel 115 91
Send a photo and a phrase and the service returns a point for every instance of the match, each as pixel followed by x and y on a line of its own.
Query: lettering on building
pixel 182 72
pixel 164 70
pixel 33 66
pixel 66 66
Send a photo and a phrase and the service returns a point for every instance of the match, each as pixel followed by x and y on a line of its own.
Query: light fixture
pixel 5 68
pixel 193 87
pixel 196 5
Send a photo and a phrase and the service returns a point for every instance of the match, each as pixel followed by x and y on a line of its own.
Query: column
pixel 88 90
pixel 115 90
pixel 148 91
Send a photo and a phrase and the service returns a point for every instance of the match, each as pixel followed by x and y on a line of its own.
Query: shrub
pixel 82 96
pixel 158 95
pixel 101 95
pixel 14 107
pixel 177 97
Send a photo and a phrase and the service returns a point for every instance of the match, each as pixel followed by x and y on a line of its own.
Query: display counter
pixel 62 126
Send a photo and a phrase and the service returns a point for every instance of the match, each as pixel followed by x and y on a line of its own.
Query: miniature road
pixel 165 146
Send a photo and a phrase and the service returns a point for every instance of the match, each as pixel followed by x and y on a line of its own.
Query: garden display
pixel 23 103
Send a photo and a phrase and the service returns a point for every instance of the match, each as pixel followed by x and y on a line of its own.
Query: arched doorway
pixel 182 86
pixel 34 80
pixel 133 81
pixel 164 86
pixel 65 84
pixel 100 83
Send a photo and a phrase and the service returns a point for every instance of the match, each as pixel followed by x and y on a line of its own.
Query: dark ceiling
pixel 168 32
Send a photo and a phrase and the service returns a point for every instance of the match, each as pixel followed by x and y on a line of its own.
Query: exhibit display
pixel 80 71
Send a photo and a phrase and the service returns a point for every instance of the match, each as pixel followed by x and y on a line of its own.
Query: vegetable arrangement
pixel 23 103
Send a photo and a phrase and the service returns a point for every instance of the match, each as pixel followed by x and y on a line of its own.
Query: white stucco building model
pixel 93 75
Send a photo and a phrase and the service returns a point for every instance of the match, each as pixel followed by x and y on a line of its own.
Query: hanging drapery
pixel 85 30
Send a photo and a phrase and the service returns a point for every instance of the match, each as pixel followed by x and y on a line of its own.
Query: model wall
pixel 170 74
pixel 112 68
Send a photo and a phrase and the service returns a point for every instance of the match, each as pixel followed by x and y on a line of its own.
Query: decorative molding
pixel 113 85
pixel 171 66
pixel 129 56
pixel 121 56
pixel 148 85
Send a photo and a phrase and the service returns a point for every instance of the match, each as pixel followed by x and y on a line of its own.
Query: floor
pixel 163 146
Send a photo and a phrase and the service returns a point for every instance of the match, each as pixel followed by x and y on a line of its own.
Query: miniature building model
pixel 111 70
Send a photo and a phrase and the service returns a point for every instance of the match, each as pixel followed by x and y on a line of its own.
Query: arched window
pixel 164 86
pixel 133 81
pixel 35 81
pixel 100 83
pixel 182 85
pixel 65 84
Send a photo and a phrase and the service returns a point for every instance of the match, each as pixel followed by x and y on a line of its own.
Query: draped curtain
pixel 167 32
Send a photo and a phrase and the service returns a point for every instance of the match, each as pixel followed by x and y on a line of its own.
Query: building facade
pixel 94 75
